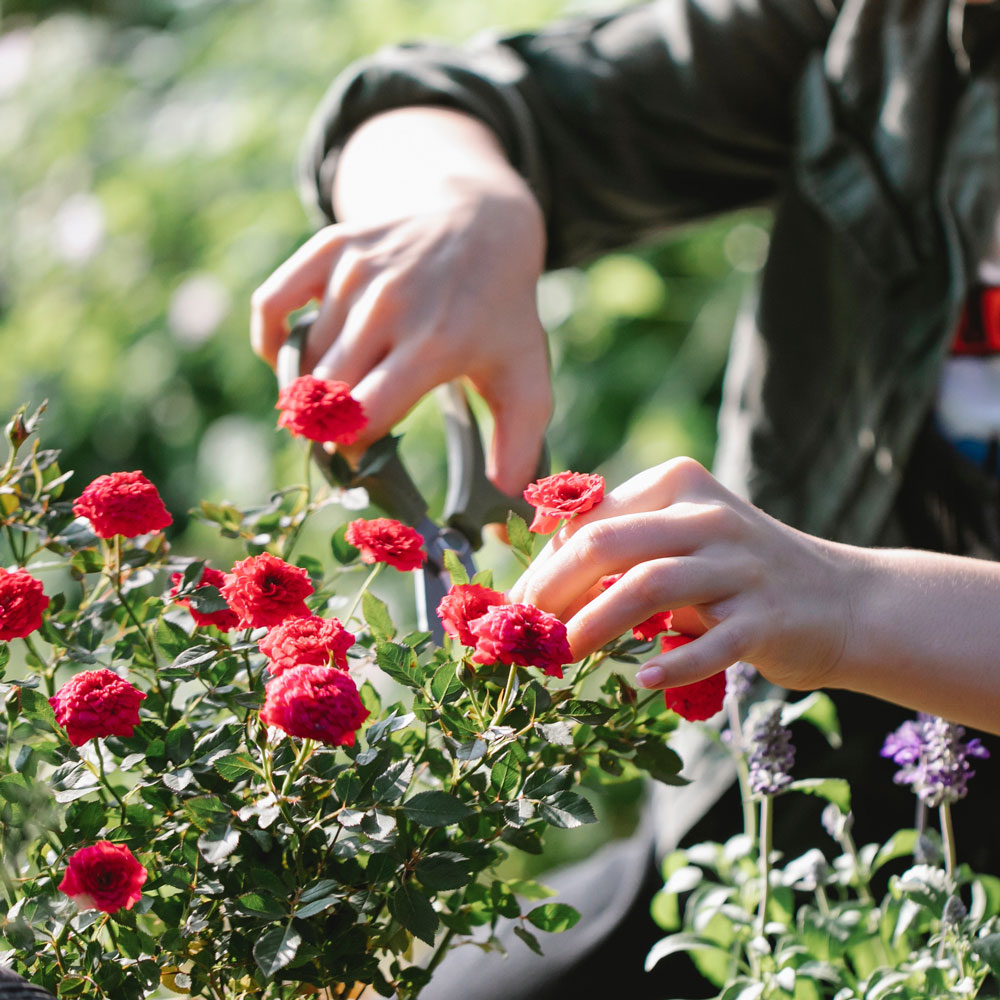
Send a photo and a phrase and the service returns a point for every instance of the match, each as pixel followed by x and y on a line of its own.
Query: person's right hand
pixel 425 296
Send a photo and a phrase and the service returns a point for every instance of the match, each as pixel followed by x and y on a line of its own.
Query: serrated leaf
pixel 179 742
pixel 171 638
pixel 835 790
pixel 452 563
pixel 659 761
pixel 207 600
pixel 262 906
pixel 178 780
pixel 554 917
pixel 435 808
pixel 566 810
pixel 390 724
pixel 275 949
pixel 398 662
pixel 35 706
pixel 520 538
pixel 548 781
pixel 591 713
pixel 218 842
pixel 319 890
pixel 377 615
pixel 318 906
pixel 988 949
pixel 193 657
pixel 445 683
pixel 444 870
pixel 392 786
pixel 505 776
pixel 233 766
pixel 414 911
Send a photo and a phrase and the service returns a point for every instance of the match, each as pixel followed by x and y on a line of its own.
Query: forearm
pixel 924 632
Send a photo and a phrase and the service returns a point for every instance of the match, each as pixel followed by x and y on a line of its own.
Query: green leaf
pixel 35 706
pixel 207 600
pixel 835 790
pixel 554 917
pixel 819 709
pixel 179 742
pixel 592 713
pixel 390 724
pixel 377 615
pixel 318 905
pixel 398 662
pixel 260 906
pixel 555 732
pixel 4 657
pixel 171 638
pixel 233 766
pixel 988 949
pixel 87 561
pixel 900 844
pixel 218 842
pixel 342 550
pixel 435 808
pixel 520 538
pixel 566 810
pixel 548 781
pixel 444 870
pixel 391 786
pixel 659 761
pixel 529 939
pixel 15 788
pixel 414 911
pixel 505 776
pixel 193 657
pixel 456 570
pixel 680 942
pixel 445 685
pixel 276 948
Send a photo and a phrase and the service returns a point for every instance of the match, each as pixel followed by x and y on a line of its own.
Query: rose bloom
pixel 700 700
pixel 521 634
pixel 96 703
pixel 265 590
pixel 653 625
pixel 223 620
pixel 563 495
pixel 314 703
pixel 104 877
pixel 122 503
pixel 22 601
pixel 321 410
pixel 299 642
pixel 383 540
pixel 463 603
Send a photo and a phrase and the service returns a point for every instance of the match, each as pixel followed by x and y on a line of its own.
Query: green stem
pixel 502 705
pixel 766 832
pixel 48 673
pixel 948 839
pixel 361 592
pixel 742 771
pixel 303 754
pixel 104 778
pixel 293 537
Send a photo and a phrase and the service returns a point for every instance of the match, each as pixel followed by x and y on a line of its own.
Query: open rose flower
pixel 96 703
pixel 463 603
pixel 314 703
pixel 521 634
pixel 312 641
pixel 225 619
pixel 22 601
pixel 700 700
pixel 561 496
pixel 105 877
pixel 122 503
pixel 321 410
pixel 265 590
pixel 653 625
pixel 383 540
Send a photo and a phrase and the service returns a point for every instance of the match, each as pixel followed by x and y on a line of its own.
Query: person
pixel 450 177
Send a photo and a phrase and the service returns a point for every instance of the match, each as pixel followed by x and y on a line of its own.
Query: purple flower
pixel 739 680
pixel 933 758
pixel 771 752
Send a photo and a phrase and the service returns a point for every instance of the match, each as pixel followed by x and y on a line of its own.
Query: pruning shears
pixel 471 501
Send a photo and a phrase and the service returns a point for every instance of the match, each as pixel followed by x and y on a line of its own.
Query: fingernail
pixel 652 675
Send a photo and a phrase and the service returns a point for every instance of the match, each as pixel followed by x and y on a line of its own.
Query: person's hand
pixel 428 294
pixel 748 586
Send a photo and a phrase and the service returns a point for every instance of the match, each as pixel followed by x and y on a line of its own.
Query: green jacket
pixel 871 126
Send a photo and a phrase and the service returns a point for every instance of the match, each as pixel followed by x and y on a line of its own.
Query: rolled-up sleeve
pixel 622 125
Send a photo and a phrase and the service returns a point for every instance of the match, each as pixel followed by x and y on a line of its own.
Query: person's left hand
pixel 748 586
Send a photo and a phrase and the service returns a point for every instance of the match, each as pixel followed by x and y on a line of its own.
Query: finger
pixel 657 585
pixel 298 281
pixel 717 649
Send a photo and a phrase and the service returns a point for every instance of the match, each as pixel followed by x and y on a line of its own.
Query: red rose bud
pixel 314 703
pixel 320 410
pixel 96 703
pixel 105 877
pixel 122 503
pixel 224 620
pixel 653 625
pixel 563 495
pixel 312 641
pixel 383 540
pixel 463 603
pixel 694 702
pixel 521 634
pixel 265 590
pixel 22 601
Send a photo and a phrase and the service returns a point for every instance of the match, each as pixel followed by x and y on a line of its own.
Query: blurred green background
pixel 146 188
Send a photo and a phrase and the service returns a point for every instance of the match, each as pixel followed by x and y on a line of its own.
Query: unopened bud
pixel 16 431
pixel 626 693
pixel 465 673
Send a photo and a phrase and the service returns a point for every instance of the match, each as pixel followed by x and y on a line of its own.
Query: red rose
pixel 299 642
pixel 265 590
pixel 653 625
pixel 383 540
pixel 104 877
pixel 320 410
pixel 563 495
pixel 463 603
pixel 223 620
pixel 314 703
pixel 521 634
pixel 96 703
pixel 122 503
pixel 22 602
pixel 698 701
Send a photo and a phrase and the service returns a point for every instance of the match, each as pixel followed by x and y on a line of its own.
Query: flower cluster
pixel 321 410
pixel 933 757
pixel 561 496
pixel 22 602
pixel 96 703
pixel 772 754
pixel 122 503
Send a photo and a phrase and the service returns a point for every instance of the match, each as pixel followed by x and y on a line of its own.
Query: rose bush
pixel 212 785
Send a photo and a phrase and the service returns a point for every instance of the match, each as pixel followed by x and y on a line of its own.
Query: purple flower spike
pixel 933 758
pixel 771 752
pixel 739 680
